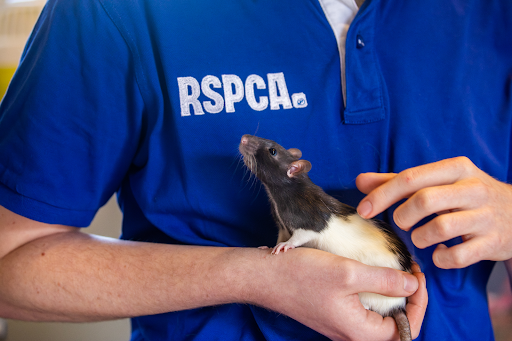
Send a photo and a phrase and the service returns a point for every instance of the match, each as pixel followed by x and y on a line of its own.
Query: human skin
pixel 469 203
pixel 57 273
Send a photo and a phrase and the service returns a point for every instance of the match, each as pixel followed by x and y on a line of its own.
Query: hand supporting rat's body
pixel 469 203
pixel 335 310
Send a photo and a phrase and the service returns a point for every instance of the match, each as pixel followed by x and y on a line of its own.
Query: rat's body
pixel 307 216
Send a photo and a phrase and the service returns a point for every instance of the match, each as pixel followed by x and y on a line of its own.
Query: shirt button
pixel 360 42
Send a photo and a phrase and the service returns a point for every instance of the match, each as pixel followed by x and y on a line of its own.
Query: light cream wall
pixel 106 223
pixel 98 331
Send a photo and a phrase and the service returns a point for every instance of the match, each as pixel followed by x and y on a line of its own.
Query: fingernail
pixel 409 286
pixel 364 209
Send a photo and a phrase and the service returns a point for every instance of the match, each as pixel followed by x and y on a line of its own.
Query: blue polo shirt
pixel 149 99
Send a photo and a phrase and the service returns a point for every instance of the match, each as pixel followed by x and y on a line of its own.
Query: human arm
pixel 468 202
pixel 57 273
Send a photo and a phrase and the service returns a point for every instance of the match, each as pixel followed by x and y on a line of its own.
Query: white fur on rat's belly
pixel 359 239
pixel 380 304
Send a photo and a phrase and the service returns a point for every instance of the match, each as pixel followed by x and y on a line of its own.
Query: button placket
pixel 364 84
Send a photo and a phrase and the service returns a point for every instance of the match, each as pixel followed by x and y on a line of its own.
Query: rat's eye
pixel 272 151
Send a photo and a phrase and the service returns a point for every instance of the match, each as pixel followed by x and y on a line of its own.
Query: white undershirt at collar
pixel 340 14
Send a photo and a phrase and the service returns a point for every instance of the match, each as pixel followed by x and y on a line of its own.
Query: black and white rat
pixel 307 216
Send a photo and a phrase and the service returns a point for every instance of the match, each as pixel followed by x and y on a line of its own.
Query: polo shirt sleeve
pixel 70 121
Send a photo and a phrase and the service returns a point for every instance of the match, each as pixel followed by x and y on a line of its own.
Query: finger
pixel 415 309
pixel 412 180
pixel 462 195
pixel 461 255
pixel 384 281
pixel 381 328
pixel 367 182
pixel 415 267
pixel 417 305
pixel 447 226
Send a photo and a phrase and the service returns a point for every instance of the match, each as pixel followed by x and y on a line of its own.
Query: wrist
pixel 250 272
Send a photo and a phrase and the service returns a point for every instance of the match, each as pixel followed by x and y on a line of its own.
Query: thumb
pixel 386 281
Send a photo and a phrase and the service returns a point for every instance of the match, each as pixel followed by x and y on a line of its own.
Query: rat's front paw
pixel 285 246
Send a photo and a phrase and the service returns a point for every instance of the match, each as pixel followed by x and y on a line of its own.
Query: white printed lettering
pixel 234 91
pixel 277 82
pixel 231 97
pixel 208 92
pixel 189 99
pixel 249 93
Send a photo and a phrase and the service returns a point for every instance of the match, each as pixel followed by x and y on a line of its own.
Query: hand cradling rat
pixel 307 216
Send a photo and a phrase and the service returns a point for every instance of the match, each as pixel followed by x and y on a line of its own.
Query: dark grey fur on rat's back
pixel 307 216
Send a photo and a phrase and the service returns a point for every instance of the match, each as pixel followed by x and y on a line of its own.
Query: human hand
pixel 469 203
pixel 320 290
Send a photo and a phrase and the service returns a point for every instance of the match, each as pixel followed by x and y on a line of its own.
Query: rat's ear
pixel 298 167
pixel 295 152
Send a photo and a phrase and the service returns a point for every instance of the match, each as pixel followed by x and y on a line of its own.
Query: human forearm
pixel 77 277
pixel 57 273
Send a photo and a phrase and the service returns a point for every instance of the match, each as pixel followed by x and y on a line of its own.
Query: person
pixel 150 99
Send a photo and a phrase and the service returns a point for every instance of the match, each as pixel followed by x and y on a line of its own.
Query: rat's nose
pixel 248 145
pixel 245 139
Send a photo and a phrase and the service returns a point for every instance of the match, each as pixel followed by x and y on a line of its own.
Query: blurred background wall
pixel 16 21
pixel 17 17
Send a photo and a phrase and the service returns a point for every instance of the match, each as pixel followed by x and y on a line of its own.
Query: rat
pixel 307 216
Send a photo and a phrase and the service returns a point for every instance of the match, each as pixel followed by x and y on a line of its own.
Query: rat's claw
pixel 288 247
pixel 282 247
pixel 277 249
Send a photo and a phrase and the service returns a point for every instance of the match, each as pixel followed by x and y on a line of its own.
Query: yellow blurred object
pixel 17 18
pixel 5 78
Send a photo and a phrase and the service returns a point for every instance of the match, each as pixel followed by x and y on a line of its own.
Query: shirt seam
pixel 133 51
pixel 15 190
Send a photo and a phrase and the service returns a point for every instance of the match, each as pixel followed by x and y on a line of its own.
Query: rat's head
pixel 270 162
